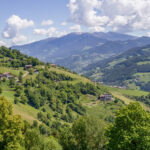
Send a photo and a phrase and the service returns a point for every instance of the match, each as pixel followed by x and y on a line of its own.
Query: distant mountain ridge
pixel 75 50
pixel 78 50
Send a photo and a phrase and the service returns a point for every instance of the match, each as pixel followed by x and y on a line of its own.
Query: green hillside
pixel 50 94
pixel 55 103
pixel 131 69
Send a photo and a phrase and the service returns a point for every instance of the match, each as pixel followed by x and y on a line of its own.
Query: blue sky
pixel 24 21
pixel 36 10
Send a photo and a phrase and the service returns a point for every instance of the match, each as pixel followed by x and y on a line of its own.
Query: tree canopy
pixel 131 129
pixel 10 127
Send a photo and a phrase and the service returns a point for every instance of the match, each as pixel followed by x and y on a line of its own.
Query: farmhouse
pixel 105 97
pixel 1 76
pixel 53 65
pixel 28 66
pixel 36 71
pixel 8 75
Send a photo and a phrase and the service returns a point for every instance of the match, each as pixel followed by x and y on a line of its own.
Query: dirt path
pixel 25 74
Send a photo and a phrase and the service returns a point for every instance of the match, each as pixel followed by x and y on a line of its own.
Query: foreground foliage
pixel 131 129
pixel 18 135
pixel 86 134
pixel 10 127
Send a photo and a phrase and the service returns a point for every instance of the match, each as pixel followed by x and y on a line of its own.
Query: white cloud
pixel 148 34
pixel 96 29
pixel 14 25
pixel 76 28
pixel 19 39
pixel 119 15
pixel 83 12
pixel 2 43
pixel 47 22
pixel 51 32
pixel 64 23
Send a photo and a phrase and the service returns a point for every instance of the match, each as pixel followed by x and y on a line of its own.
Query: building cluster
pixel 28 67
pixel 120 87
pixel 6 75
pixel 105 97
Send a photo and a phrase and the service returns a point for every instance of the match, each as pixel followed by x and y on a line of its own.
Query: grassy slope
pixel 27 112
pixel 93 106
pixel 123 95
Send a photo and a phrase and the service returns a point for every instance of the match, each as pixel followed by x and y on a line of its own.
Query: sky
pixel 25 21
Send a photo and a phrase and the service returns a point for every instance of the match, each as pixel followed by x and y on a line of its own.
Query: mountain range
pixel 77 50
pixel 97 55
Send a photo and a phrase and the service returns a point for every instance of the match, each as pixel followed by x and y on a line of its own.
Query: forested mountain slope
pixel 131 68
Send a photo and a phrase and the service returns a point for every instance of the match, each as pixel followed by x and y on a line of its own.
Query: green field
pixel 14 72
pixel 142 77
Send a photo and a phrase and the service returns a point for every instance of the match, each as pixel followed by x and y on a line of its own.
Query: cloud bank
pixel 117 15
pixel 51 32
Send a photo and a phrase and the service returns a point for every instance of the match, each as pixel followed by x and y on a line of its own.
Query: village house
pixel 6 75
pixel 28 67
pixel 105 97
pixel 36 71
pixel 10 59
pixel 1 76
pixel 53 65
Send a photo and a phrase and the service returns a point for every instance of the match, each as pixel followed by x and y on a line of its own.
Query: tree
pixel 32 139
pixel 10 127
pixel 35 141
pixel 131 129
pixel 87 134
pixel 51 144
pixel 21 77
pixel 24 99
pixel 12 82
pixel 1 90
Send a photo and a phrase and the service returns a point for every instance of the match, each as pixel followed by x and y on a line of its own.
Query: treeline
pixel 16 59
pixel 143 99
pixel 130 130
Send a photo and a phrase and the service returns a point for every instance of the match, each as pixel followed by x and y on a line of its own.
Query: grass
pixel 77 78
pixel 115 62
pixel 103 110
pixel 14 72
pixel 128 100
pixel 143 63
pixel 25 111
pixel 127 91
pixel 142 77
